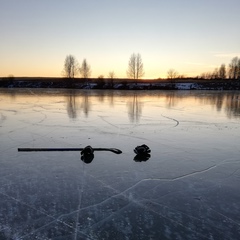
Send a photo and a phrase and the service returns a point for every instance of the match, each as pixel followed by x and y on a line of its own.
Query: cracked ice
pixel 187 189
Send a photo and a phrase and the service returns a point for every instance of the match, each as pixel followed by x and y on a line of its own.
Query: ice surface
pixel 187 189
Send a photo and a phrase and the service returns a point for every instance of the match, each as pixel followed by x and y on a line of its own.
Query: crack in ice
pixel 175 120
pixel 42 212
pixel 80 193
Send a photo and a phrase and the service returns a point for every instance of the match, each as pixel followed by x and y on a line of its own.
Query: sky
pixel 189 36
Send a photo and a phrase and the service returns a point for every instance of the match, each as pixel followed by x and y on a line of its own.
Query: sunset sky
pixel 190 36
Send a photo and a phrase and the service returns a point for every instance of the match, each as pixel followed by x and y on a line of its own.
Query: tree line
pixel 72 68
pixel 223 72
pixel 135 69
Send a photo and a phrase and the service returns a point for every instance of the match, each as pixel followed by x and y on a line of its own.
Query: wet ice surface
pixel 188 189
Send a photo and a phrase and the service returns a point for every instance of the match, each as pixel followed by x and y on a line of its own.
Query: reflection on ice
pixel 142 157
pixel 187 189
pixel 134 109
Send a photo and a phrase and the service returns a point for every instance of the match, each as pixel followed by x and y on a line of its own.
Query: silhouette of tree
pixel 206 75
pixel 234 68
pixel 135 67
pixel 70 67
pixel 215 74
pixel 239 68
pixel 111 76
pixel 85 69
pixel 222 72
pixel 171 74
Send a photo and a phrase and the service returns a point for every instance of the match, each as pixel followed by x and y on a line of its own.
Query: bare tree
pixel 135 67
pixel 70 67
pixel 206 75
pixel 238 69
pixel 181 76
pixel 222 72
pixel 215 74
pixel 139 67
pixel 171 74
pixel 85 69
pixel 233 68
pixel 111 75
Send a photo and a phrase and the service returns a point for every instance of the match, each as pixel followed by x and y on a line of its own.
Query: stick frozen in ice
pixel 114 150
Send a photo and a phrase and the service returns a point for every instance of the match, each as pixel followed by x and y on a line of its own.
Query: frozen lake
pixel 187 189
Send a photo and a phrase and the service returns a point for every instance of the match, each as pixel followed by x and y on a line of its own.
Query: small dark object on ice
pixel 142 153
pixel 87 150
pixel 87 154
pixel 143 149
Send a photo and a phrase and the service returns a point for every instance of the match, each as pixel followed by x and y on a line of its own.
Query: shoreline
pixel 121 84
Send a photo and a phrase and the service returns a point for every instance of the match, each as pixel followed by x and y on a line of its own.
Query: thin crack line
pixel 177 122
pixel 80 193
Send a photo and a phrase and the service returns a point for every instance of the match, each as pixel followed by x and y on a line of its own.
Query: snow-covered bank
pixel 125 85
